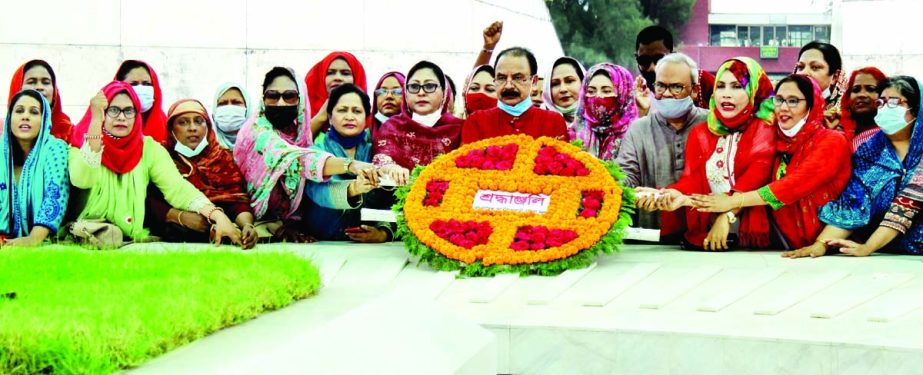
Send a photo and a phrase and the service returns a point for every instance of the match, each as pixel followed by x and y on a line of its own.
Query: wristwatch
pixel 731 217
pixel 346 163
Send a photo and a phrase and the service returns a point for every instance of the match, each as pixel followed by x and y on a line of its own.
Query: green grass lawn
pixel 91 312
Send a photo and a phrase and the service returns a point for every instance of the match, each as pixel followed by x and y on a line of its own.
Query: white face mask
pixel 795 129
pixel 146 96
pixel 427 120
pixel 891 120
pixel 672 108
pixel 188 152
pixel 381 117
pixel 230 118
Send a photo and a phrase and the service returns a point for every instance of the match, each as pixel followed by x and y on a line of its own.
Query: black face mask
pixel 650 77
pixel 282 116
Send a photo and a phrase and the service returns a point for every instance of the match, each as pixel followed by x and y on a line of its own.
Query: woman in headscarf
pixel 34 184
pixel 561 91
pixel 207 166
pixel 113 163
pixel 388 99
pixel 274 154
pixel 822 61
pixel 858 107
pixel 336 69
pixel 230 111
pixel 38 75
pixel 480 90
pixel 606 109
pixel 872 211
pixel 734 152
pixel 143 80
pixel 425 128
pixel 333 210
pixel 811 167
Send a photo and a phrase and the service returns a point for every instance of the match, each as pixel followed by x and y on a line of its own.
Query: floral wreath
pixel 513 204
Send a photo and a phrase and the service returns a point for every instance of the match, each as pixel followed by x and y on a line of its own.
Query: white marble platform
pixel 647 310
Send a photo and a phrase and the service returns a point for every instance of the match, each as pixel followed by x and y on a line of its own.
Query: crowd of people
pixel 819 162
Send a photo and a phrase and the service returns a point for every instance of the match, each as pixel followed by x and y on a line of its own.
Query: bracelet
pixel 487 50
pixel 212 212
pixel 822 242
pixel 88 137
pixel 179 218
pixel 741 205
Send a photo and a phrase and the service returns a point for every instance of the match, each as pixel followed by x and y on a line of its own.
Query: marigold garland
pixel 591 188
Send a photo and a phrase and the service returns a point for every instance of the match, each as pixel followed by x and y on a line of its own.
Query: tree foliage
pixel 595 31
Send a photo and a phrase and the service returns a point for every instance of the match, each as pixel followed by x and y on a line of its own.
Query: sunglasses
pixel 395 92
pixel 646 60
pixel 290 96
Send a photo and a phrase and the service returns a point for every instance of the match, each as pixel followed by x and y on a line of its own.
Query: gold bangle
pixel 179 218
pixel 741 201
pixel 212 212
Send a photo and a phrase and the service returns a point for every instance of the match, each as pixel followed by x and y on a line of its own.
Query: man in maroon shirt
pixel 515 76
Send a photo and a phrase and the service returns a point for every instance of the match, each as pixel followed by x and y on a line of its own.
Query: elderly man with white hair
pixel 652 154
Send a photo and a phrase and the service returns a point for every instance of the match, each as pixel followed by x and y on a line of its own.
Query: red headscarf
pixel 213 171
pixel 846 120
pixel 316 79
pixel 706 88
pixel 155 121
pixel 815 122
pixel 61 126
pixel 120 155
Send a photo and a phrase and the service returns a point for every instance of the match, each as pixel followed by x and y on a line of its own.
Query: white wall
pixel 195 45
pixel 881 33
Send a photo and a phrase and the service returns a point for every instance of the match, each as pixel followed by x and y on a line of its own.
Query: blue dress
pixel 329 212
pixel 878 176
pixel 40 196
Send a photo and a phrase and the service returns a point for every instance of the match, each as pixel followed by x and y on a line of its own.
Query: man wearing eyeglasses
pixel 652 153
pixel 515 77
pixel 652 44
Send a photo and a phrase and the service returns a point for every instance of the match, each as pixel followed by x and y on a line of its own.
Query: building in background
pixel 772 33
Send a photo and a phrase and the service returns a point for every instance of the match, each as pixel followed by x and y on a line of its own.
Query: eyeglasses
pixel 395 92
pixel 289 96
pixel 790 102
pixel 114 112
pixel 890 102
pixel 645 60
pixel 184 122
pixel 519 79
pixel 428 87
pixel 675 88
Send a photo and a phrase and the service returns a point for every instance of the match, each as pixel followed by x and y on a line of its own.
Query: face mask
pixel 427 120
pixel 230 118
pixel 795 129
pixel 478 102
pixel 381 117
pixel 600 107
pixel 891 120
pixel 146 96
pixel 649 78
pixel 515 110
pixel 181 149
pixel 281 116
pixel 569 110
pixel 673 108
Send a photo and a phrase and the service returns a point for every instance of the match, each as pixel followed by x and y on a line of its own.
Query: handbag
pixel 97 233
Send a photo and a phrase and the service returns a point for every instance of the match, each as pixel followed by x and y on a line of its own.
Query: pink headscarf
pixel 602 131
